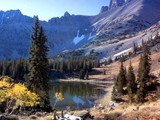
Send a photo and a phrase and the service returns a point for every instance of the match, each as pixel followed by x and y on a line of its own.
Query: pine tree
pixel 5 67
pixel 134 48
pixel 89 66
pixel 122 59
pixel 62 66
pixel 38 76
pixel 143 73
pixel 13 68
pixel 121 79
pixel 131 84
pixel 109 60
pixel 87 75
pixel 81 74
pixel 114 90
pixel 84 65
pixel 1 66
pixel 113 97
pixel 125 72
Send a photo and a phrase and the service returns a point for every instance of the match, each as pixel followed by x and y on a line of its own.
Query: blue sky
pixel 47 9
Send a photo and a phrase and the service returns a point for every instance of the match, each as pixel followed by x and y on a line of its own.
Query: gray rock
pixel 104 9
pixel 66 14
pixel 116 3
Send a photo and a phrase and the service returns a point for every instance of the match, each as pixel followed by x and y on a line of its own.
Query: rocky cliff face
pixel 66 33
pixel 104 9
pixel 123 23
pixel 116 3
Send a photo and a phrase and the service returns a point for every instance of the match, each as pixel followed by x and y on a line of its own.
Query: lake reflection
pixel 76 95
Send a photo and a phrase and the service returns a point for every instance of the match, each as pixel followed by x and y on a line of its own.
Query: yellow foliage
pixel 17 92
pixel 2 95
pixel 5 84
pixel 59 96
pixel 22 95
pixel 6 79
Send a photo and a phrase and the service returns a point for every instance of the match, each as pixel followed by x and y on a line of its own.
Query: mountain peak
pixel 66 14
pixel 104 9
pixel 14 11
pixel 116 3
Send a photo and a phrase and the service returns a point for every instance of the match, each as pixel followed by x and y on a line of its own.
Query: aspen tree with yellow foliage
pixel 16 96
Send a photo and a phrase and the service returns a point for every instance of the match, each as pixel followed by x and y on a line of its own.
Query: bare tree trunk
pixel 12 110
pixel 55 102
pixel 9 103
pixel 62 114
pixel 54 116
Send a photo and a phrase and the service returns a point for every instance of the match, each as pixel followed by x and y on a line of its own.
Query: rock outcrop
pixel 104 9
pixel 116 3
pixel 63 33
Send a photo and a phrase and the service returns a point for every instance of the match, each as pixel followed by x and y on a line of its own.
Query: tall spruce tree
pixel 81 74
pixel 143 73
pixel 38 76
pixel 131 84
pixel 121 79
pixel 114 90
pixel 134 48
pixel 87 76
pixel 5 67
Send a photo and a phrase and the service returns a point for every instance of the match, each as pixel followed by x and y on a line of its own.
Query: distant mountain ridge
pixel 116 22
pixel 117 3
pixel 15 29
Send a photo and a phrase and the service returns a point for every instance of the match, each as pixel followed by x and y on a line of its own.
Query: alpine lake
pixel 77 95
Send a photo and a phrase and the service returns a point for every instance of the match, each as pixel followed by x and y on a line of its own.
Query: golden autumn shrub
pixel 58 97
pixel 16 95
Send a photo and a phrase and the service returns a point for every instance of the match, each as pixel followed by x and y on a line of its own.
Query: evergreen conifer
pixel 143 73
pixel 131 84
pixel 38 76
pixel 121 79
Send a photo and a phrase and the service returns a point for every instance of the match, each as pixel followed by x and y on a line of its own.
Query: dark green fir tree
pixel 114 90
pixel 131 83
pixel 121 79
pixel 81 74
pixel 143 73
pixel 38 76
pixel 134 48
pixel 87 76
pixel 5 66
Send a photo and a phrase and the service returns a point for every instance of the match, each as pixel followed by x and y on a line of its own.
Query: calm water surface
pixel 77 96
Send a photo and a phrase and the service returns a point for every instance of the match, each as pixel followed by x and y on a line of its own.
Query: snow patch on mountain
pixel 91 36
pixel 78 38
pixel 125 52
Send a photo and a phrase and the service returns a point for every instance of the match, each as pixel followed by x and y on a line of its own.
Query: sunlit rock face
pixel 116 3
